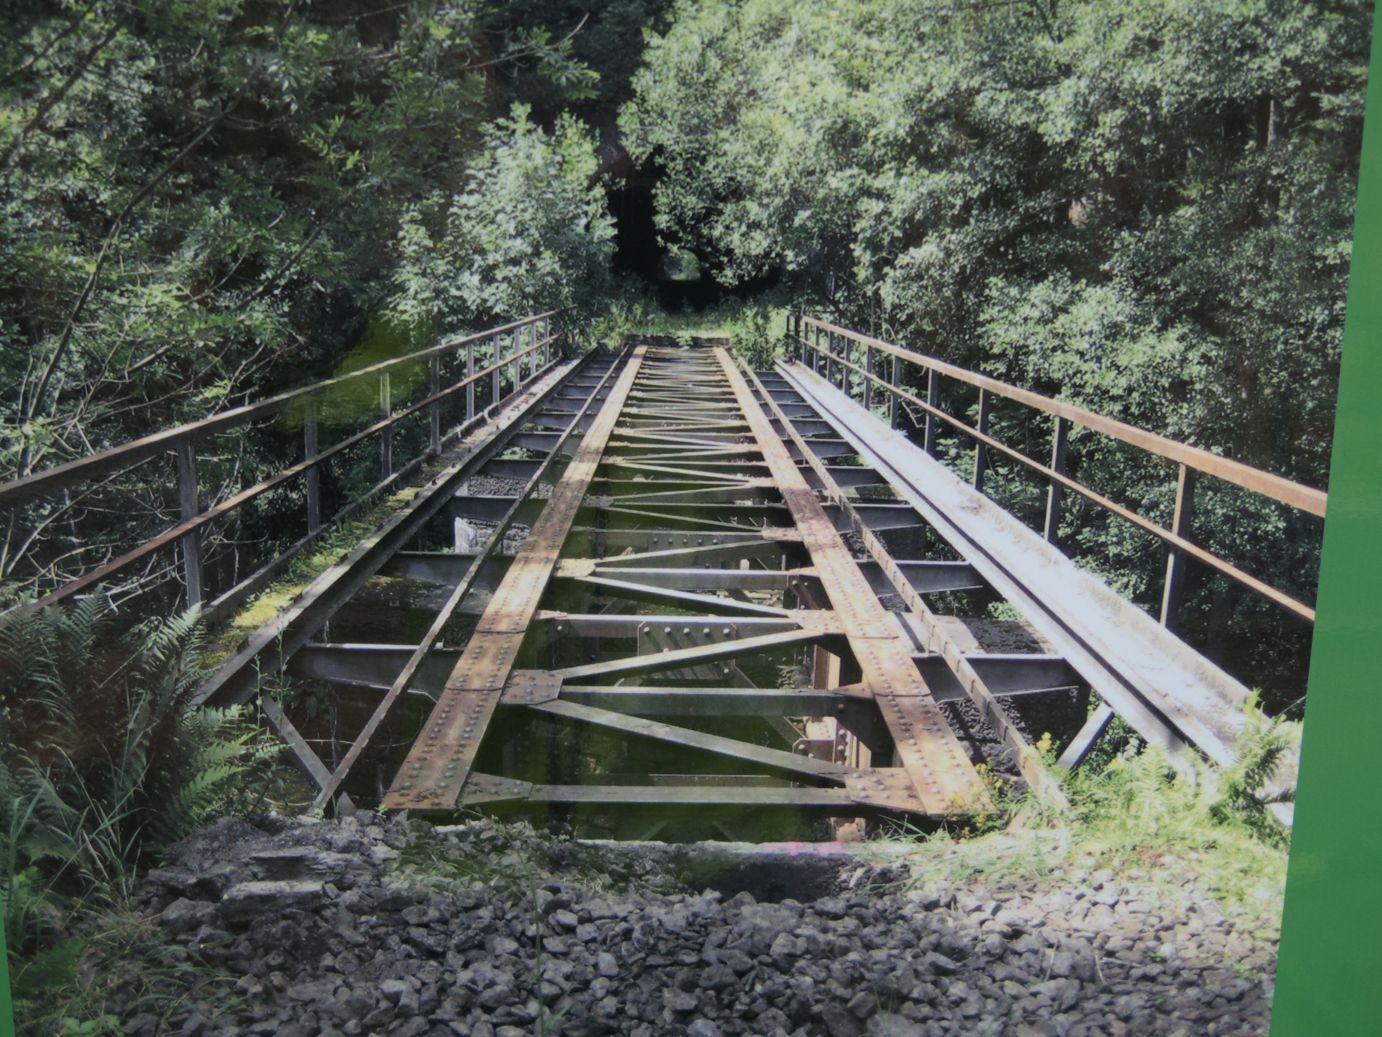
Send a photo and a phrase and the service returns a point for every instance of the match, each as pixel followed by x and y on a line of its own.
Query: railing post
pixel 816 350
pixel 868 379
pixel 188 508
pixel 1055 490
pixel 1175 558
pixel 892 396
pixel 470 386
pixel 386 436
pixel 434 411
pixel 928 440
pixel 497 344
pixel 981 456
pixel 310 447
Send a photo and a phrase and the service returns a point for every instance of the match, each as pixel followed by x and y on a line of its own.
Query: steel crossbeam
pixel 943 778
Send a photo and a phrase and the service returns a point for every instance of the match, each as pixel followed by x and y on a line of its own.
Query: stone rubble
pixel 321 929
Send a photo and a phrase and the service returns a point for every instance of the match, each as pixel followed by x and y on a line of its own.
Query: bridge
pixel 652 586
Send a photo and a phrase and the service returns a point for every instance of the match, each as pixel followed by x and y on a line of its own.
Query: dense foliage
pixel 1144 208
pixel 101 760
pixel 1148 205
pixel 202 202
pixel 194 195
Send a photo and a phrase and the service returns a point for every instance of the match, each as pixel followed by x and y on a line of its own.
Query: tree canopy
pixel 1147 206
pixel 197 200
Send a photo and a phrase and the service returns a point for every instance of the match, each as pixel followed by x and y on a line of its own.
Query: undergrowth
pixel 102 764
pixel 1137 815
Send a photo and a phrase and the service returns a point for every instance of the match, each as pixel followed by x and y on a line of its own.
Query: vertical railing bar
pixel 868 381
pixel 470 385
pixel 1054 490
pixel 1176 561
pixel 981 455
pixel 385 436
pixel 310 448
pixel 496 346
pixel 188 507
pixel 893 399
pixel 928 441
pixel 434 411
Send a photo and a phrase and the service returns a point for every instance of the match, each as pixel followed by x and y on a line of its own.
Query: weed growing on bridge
pixel 1136 815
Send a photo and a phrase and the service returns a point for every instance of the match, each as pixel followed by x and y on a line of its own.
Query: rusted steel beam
pixel 263 654
pixel 436 768
pixel 937 640
pixel 707 579
pixel 666 595
pixel 690 656
pixel 487 790
pixel 1305 498
pixel 419 655
pixel 85 468
pixel 714 702
pixel 617 624
pixel 803 767
pixel 750 549
pixel 943 778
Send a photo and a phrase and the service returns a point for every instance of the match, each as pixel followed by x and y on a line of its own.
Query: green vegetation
pixel 103 764
pixel 1143 208
pixel 201 203
pixel 1133 814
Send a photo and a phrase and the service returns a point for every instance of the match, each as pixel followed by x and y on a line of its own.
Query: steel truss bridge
pixel 626 588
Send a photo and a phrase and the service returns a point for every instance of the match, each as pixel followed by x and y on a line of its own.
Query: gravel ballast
pixel 365 926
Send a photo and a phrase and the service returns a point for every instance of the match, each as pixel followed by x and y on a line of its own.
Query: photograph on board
pixel 663 516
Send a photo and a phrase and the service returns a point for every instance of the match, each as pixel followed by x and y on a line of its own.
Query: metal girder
pixel 715 702
pixel 665 575
pixel 689 738
pixel 436 768
pixel 1169 693
pixel 958 668
pixel 755 549
pixel 617 624
pixel 707 579
pixel 941 773
pixel 419 655
pixel 665 595
pixel 925 577
pixel 692 656
pixel 237 679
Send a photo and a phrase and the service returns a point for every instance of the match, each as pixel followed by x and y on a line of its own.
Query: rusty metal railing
pixel 532 341
pixel 839 354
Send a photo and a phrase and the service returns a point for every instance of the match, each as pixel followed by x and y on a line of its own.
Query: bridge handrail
pixel 538 330
pixel 807 332
pixel 80 469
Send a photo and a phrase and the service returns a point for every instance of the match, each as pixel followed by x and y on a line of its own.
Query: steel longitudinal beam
pixel 436 768
pixel 944 779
